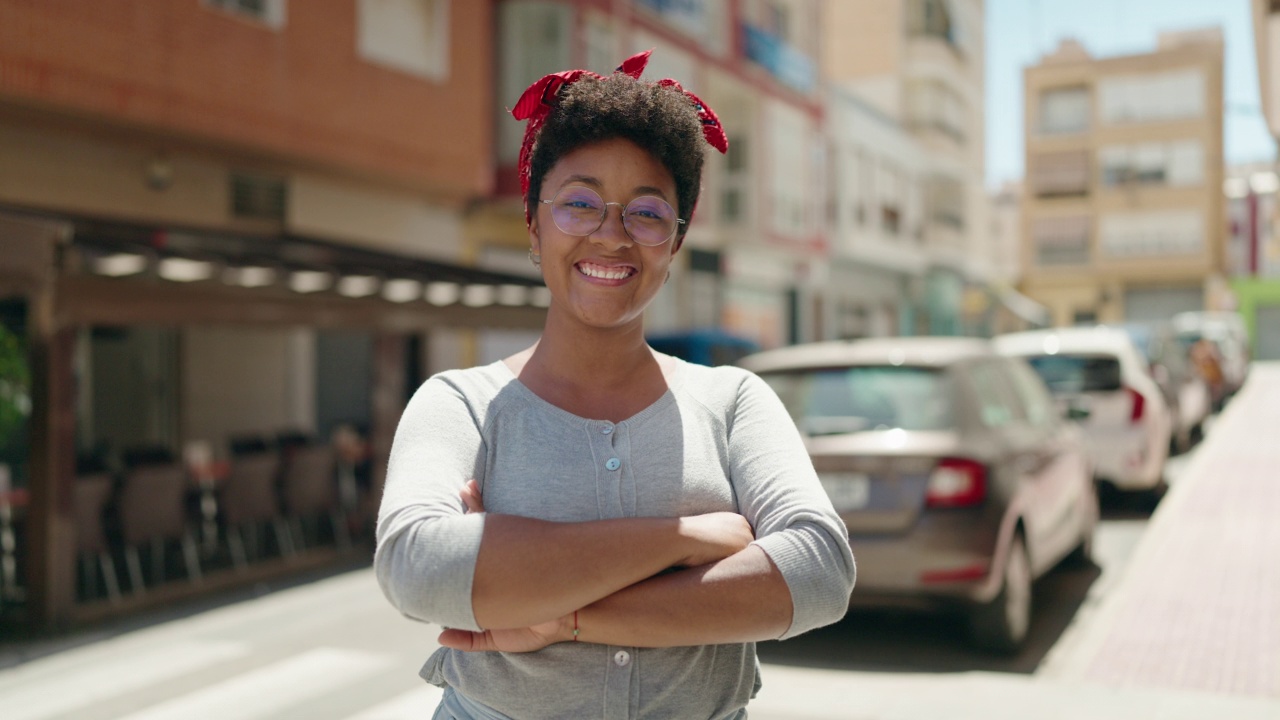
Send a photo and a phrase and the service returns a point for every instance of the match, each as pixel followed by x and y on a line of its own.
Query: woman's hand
pixel 471 497
pixel 714 536
pixel 518 640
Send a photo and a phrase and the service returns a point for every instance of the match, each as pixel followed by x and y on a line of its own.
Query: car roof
pixel 913 351
pixel 1099 338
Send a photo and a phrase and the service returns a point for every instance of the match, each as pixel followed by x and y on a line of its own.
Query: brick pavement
pixel 1199 607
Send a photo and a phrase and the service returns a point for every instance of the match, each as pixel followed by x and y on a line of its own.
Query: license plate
pixel 848 491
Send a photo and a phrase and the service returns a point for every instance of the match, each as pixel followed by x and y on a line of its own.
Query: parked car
pixel 958 481
pixel 1229 340
pixel 709 346
pixel 1185 390
pixel 1129 428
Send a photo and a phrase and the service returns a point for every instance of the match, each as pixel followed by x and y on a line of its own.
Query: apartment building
pixel 921 63
pixel 752 252
pixel 1123 215
pixel 221 217
pixel 1259 296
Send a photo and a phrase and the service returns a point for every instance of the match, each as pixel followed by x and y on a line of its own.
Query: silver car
pixel 957 477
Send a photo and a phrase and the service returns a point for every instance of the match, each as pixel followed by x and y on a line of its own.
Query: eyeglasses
pixel 580 211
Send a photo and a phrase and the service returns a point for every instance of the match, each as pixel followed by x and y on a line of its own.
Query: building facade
pixel 1259 296
pixel 223 218
pixel 921 63
pixel 1123 216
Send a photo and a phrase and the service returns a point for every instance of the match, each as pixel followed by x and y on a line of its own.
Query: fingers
pixel 470 495
pixel 466 640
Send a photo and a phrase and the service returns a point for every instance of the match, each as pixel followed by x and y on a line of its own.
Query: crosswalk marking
pixel 417 704
pixel 81 687
pixel 264 691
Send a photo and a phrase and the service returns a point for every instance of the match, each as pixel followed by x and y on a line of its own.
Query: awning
pixel 111 274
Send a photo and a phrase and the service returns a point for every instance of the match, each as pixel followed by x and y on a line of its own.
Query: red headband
pixel 537 101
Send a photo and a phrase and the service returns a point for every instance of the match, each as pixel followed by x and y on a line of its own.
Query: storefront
pixel 147 342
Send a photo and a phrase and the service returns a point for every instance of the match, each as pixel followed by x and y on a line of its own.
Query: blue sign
pixel 784 62
pixel 687 15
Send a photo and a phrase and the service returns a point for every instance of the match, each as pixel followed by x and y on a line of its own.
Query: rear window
pixel 847 400
pixel 1077 373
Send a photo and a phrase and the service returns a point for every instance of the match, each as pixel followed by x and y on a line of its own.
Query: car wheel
pixel 1001 625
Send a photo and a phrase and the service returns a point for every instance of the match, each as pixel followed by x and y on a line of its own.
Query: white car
pixel 1097 369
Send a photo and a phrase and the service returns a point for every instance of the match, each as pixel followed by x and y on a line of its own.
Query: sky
pixel 1019 32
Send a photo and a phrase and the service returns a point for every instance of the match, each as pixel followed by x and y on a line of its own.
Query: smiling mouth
pixel 605 273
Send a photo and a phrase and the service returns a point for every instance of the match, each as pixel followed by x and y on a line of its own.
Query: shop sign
pixel 784 62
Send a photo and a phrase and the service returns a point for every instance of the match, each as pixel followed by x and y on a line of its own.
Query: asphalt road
pixel 334 648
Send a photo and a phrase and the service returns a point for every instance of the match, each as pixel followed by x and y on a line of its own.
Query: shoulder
pixel 475 388
pixel 719 388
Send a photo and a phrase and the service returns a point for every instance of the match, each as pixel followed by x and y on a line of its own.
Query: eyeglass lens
pixel 581 211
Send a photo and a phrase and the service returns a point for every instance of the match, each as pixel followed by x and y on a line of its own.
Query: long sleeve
pixel 426 546
pixel 795 523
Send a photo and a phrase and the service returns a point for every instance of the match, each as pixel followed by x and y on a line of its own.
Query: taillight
pixel 1139 405
pixel 956 482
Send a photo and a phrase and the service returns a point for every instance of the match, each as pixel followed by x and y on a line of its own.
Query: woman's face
pixel 603 280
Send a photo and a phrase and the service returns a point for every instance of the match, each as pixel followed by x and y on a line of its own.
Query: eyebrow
pixel 595 183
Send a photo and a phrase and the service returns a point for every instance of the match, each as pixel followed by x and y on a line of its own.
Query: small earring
pixel 535 258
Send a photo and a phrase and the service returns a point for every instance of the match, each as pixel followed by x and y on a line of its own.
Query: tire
pixel 1001 625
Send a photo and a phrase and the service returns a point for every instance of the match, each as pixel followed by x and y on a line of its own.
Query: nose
pixel 612 234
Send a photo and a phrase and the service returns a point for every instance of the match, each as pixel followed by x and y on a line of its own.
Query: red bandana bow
pixel 537 101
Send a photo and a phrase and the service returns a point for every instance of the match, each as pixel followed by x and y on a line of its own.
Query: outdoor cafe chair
pixel 153 510
pixel 310 489
pixel 248 499
pixel 89 500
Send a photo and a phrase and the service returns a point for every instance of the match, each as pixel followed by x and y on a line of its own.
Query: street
pixel 334 648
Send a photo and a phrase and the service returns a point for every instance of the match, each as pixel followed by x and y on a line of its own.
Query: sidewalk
pixel 1199 607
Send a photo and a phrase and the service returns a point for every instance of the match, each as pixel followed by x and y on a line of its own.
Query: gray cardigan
pixel 718 440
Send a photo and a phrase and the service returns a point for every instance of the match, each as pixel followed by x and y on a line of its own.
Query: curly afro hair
pixel 659 119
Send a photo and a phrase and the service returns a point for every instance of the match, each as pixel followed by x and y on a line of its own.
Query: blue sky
pixel 1018 32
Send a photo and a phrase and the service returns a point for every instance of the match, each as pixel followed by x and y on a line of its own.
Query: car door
pixel 1022 458
pixel 1063 478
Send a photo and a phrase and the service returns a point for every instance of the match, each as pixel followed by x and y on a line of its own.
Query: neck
pixel 589 357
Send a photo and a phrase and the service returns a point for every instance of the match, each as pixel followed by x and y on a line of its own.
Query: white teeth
pixel 604 273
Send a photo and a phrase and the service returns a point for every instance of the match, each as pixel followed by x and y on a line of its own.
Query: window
pixel 934 105
pixel 533 41
pixel 931 18
pixel 268 12
pixel 1060 173
pixel 407 35
pixel 1061 240
pixel 997 404
pixel 1064 110
pixel 946 201
pixel 1179 164
pixel 892 188
pixel 258 197
pixel 1035 396
pixel 1153 97
pixel 1147 234
pixel 736 181
pixel 834 401
pixel 602 46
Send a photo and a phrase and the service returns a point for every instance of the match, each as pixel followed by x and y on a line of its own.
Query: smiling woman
pixel 606 530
